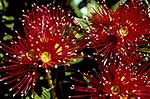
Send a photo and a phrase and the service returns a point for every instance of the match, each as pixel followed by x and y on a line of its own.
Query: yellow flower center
pixel 123 31
pixel 115 90
pixel 30 54
pixel 45 57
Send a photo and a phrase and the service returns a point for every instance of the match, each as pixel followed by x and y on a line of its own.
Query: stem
pixel 50 83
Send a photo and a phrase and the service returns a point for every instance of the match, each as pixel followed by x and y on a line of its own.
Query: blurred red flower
pixel 115 82
pixel 20 66
pixel 117 34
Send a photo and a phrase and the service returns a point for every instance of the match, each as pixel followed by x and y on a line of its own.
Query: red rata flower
pixel 54 35
pixel 49 41
pixel 117 82
pixel 116 34
pixel 20 71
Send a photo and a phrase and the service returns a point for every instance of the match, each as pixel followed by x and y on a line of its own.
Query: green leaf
pixel 36 96
pixel 1 62
pixel 66 81
pixel 7 21
pixel 69 73
pixel 82 23
pixel 74 5
pixel 9 25
pixel 41 78
pixel 94 6
pixel 76 60
pixel 45 94
pixel 8 18
pixel 1 55
pixel 79 35
pixel 115 6
pixel 7 37
pixel 1 6
pixel 27 97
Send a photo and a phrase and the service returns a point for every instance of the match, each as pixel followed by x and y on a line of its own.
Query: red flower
pixel 20 66
pixel 117 34
pixel 54 34
pixel 116 82
pixel 49 42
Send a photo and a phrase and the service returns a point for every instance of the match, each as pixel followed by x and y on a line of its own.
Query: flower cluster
pixel 117 82
pixel 116 37
pixel 117 34
pixel 49 42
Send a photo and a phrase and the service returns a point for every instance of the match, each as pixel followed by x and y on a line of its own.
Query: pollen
pixel 30 54
pixel 44 39
pixel 110 18
pixel 123 31
pixel 56 45
pixel 59 50
pixel 133 91
pixel 45 57
pixel 122 78
pixel 115 90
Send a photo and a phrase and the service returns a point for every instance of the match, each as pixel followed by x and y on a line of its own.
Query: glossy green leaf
pixel 76 60
pixel 7 21
pixel 1 6
pixel 69 73
pixel 41 78
pixel 79 35
pixel 45 94
pixel 7 37
pixel 115 6
pixel 9 25
pixel 83 23
pixel 94 6
pixel 74 5
pixel 27 97
pixel 8 18
pixel 1 55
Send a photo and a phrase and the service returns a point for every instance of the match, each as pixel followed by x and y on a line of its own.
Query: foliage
pixel 45 94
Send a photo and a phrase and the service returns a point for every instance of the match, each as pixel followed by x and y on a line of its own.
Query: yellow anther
pixel 45 57
pixel 115 90
pixel 123 31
